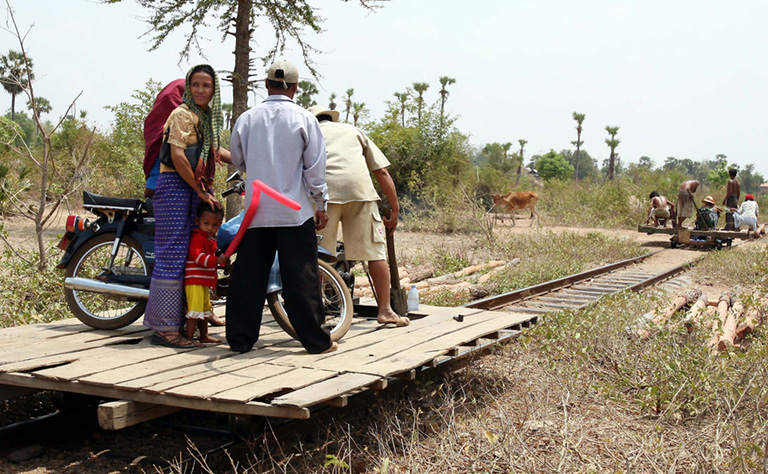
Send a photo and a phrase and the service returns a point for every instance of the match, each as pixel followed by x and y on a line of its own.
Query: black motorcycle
pixel 109 265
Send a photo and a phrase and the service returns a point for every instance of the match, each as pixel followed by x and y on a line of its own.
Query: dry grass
pixel 572 395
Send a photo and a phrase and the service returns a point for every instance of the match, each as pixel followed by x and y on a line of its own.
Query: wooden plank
pixel 49 347
pixel 362 346
pixel 115 357
pixel 421 354
pixel 8 392
pixel 161 382
pixel 294 379
pixel 250 408
pixel 325 390
pixel 123 413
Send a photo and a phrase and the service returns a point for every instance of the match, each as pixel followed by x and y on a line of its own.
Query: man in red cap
pixel 747 213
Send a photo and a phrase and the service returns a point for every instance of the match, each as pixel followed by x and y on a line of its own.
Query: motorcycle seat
pixel 91 200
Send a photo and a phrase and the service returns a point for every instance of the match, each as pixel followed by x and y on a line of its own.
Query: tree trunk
pixel 611 164
pixel 13 106
pixel 578 148
pixel 240 78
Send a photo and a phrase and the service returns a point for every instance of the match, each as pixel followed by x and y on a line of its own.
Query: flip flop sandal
pixel 214 321
pixel 177 342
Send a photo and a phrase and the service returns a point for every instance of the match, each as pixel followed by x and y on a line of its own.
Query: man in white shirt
pixel 747 213
pixel 280 144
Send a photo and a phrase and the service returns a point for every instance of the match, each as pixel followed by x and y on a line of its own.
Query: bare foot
pixel 209 340
pixel 394 319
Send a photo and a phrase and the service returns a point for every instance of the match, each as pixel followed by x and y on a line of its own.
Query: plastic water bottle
pixel 413 299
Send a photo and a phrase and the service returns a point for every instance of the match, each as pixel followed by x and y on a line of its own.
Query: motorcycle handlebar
pixel 238 188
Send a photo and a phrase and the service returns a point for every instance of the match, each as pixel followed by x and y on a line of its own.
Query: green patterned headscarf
pixel 211 120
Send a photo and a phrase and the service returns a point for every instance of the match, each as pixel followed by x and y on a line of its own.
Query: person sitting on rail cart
pixel 659 210
pixel 747 213
pixel 707 215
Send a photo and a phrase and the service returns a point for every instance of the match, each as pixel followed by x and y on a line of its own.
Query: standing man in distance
pixel 685 201
pixel 280 143
pixel 732 190
pixel 353 201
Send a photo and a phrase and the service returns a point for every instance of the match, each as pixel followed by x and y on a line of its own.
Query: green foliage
pixel 30 296
pixel 718 176
pixel 306 90
pixel 552 166
pixel 425 156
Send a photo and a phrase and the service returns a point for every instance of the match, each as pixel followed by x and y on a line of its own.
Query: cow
pixel 512 201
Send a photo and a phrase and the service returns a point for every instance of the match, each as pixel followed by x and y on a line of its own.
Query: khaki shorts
pixel 685 204
pixel 362 228
pixel 661 212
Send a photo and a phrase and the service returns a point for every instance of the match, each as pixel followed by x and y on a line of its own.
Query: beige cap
pixel 318 110
pixel 283 71
pixel 708 199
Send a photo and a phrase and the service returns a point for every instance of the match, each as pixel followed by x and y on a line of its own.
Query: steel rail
pixel 500 301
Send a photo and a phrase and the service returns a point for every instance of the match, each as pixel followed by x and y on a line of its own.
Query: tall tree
pixel 227 109
pixel 15 74
pixel 358 111
pixel 444 81
pixel 305 92
pixel 612 143
pixel 288 18
pixel 420 88
pixel 402 97
pixel 332 101
pixel 348 103
pixel 579 118
pixel 520 165
pixel 42 106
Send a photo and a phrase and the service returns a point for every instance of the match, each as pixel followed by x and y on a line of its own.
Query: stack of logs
pixel 724 318
pixel 425 281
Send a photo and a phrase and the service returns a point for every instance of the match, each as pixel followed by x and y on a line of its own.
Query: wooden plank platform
pixel 277 378
pixel 718 234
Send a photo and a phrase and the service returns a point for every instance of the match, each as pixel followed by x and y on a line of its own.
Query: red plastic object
pixel 258 188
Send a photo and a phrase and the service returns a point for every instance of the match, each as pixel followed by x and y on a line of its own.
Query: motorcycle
pixel 108 267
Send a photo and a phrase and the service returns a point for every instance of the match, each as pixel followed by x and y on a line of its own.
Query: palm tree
pixel 612 143
pixel 506 147
pixel 444 81
pixel 348 103
pixel 403 98
pixel 358 109
pixel 227 109
pixel 579 118
pixel 420 88
pixel 42 106
pixel 332 101
pixel 520 165
pixel 15 75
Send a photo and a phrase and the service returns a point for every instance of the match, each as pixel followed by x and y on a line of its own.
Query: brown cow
pixel 512 201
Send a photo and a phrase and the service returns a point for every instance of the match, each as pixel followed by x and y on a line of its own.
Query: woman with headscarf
pixel 178 192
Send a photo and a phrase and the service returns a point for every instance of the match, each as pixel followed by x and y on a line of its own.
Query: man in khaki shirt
pixel 353 202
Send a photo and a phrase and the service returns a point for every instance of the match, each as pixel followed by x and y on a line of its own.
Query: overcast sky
pixel 680 78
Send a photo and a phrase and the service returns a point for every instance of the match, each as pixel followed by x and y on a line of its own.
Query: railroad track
pixel 580 290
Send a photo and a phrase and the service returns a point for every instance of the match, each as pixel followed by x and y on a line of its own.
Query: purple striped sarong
pixel 175 205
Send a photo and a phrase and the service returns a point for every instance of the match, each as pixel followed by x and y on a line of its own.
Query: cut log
pixel 723 303
pixel 696 313
pixel 422 273
pixel 746 327
pixel 729 328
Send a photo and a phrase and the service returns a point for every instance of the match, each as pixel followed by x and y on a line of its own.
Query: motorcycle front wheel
pixel 337 302
pixel 102 310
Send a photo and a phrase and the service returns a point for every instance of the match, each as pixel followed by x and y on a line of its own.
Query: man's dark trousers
pixel 297 253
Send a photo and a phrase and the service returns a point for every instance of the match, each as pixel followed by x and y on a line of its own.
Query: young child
pixel 200 271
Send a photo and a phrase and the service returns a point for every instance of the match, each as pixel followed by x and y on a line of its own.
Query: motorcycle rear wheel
pixel 101 310
pixel 337 302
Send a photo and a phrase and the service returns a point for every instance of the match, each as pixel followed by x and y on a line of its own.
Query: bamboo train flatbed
pixel 277 378
pixel 716 238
